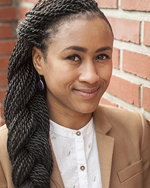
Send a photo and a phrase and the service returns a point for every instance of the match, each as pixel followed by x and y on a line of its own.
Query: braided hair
pixel 25 110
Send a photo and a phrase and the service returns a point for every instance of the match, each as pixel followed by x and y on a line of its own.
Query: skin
pixel 77 70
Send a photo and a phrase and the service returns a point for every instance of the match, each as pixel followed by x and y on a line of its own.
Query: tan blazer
pixel 123 140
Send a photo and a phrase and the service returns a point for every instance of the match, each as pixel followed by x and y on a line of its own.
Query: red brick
pixel 6 47
pixel 4 2
pixel 125 90
pixel 8 13
pixel 6 31
pixel 121 107
pixel 2 95
pixel 3 82
pixel 125 29
pixel 136 63
pixel 140 5
pixel 146 98
pixel 107 3
pixel 22 11
pixel 115 58
pixel 30 1
pixel 2 123
pixel 107 102
pixel 146 40
pixel 4 63
pixel 2 111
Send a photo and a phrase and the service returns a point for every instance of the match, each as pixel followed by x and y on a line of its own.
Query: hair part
pixel 53 28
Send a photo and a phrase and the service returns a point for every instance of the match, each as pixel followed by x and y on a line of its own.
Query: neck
pixel 69 119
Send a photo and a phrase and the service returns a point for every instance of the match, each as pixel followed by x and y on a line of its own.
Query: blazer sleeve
pixel 145 152
pixel 5 164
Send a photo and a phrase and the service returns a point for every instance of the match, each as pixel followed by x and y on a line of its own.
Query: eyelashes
pixel 77 58
pixel 102 57
pixel 74 57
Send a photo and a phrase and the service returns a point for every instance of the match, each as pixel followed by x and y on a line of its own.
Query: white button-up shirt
pixel 77 155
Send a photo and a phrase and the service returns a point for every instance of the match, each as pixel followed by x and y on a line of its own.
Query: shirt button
pixel 82 168
pixel 78 133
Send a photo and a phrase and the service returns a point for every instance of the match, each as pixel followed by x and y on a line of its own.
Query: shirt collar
pixel 71 133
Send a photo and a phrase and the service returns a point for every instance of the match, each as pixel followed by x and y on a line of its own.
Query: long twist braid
pixel 25 109
pixel 27 130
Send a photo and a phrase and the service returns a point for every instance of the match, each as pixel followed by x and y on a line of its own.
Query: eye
pixel 74 57
pixel 102 57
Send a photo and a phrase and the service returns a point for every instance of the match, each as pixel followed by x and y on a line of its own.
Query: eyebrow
pixel 81 49
pixel 104 48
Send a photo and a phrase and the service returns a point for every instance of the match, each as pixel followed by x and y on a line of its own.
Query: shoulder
pixel 3 136
pixel 131 134
pixel 3 142
pixel 117 113
pixel 5 165
pixel 128 128
pixel 120 115
pixel 122 119
pixel 4 157
pixel 3 130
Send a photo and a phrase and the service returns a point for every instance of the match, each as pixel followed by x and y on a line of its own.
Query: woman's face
pixel 78 65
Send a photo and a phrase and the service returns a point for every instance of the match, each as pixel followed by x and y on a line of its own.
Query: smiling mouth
pixel 87 93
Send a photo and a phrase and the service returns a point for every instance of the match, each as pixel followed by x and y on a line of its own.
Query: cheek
pixel 106 72
pixel 59 76
pixel 52 71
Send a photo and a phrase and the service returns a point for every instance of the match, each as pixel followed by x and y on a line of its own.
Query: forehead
pixel 82 32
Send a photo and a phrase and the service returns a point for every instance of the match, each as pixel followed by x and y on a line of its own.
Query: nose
pixel 88 73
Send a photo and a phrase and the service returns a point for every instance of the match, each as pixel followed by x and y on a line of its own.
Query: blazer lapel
pixel 105 146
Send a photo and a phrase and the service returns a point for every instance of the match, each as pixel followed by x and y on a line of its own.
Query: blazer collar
pixel 105 145
pixel 101 123
pixel 105 149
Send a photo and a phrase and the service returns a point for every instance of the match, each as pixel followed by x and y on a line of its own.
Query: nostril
pixel 89 78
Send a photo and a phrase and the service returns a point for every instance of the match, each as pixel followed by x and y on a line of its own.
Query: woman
pixel 57 134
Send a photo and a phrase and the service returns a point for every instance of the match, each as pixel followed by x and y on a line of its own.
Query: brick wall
pixel 130 83
pixel 8 18
pixel 10 12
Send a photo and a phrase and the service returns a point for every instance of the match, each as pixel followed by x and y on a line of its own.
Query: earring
pixel 40 84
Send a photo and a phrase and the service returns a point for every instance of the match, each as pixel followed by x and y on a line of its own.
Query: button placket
pixel 78 133
pixel 81 159
pixel 82 168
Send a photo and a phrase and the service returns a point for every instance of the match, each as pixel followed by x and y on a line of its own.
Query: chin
pixel 88 109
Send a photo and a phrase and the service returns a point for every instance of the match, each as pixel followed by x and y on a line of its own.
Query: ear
pixel 38 60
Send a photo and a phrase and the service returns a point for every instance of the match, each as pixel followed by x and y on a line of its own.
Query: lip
pixel 87 93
